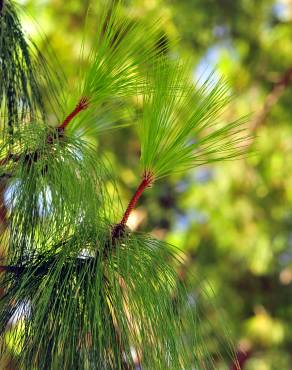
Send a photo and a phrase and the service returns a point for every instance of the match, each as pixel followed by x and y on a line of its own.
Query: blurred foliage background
pixel 233 220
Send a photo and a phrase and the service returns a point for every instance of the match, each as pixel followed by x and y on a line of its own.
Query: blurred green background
pixel 233 220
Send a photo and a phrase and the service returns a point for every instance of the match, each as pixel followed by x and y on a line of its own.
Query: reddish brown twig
pixel 272 98
pixel 119 229
pixel 6 159
pixel 146 182
pixel 3 209
pixel 82 105
pixel 241 359
pixel 29 157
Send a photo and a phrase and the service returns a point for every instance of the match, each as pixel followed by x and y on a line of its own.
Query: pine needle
pixel 91 303
pixel 183 126
pixel 55 181
pixel 114 68
pixel 20 94
pixel 80 292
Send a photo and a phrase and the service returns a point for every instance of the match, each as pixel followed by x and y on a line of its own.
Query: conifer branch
pixel 241 359
pixel 146 182
pixel 3 209
pixel 82 105
pixel 94 304
pixel 34 156
pixel 119 229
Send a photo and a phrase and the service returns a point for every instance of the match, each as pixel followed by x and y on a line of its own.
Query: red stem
pixel 82 105
pixel 146 182
pixel 241 358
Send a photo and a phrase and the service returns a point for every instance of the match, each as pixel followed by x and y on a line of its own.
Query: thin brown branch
pixel 119 229
pixel 33 157
pixel 241 359
pixel 82 105
pixel 272 98
pixel 3 209
pixel 146 182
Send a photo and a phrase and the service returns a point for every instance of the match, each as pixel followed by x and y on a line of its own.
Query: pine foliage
pixel 119 54
pixel 91 310
pixel 53 182
pixel 182 127
pixel 80 290
pixel 20 93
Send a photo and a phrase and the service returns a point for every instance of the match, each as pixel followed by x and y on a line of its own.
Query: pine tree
pixel 81 291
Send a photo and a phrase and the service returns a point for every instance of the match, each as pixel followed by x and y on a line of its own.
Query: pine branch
pixel 114 68
pixel 146 182
pixel 95 292
pixel 57 134
pixel 82 105
pixel 18 72
pixel 241 360
pixel 4 179
pixel 182 127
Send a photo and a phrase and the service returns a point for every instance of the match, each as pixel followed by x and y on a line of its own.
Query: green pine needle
pixel 20 93
pixel 93 303
pixel 182 126
pixel 54 182
pixel 79 292
pixel 113 69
